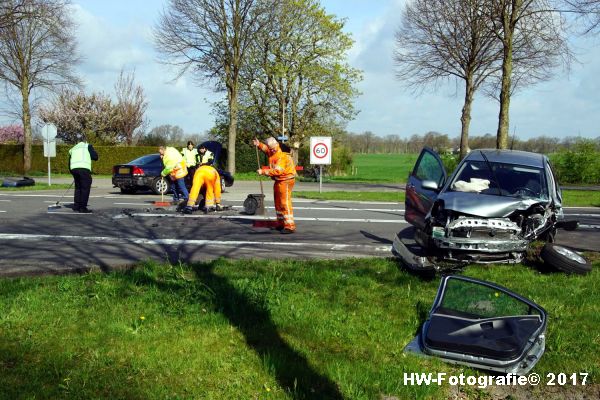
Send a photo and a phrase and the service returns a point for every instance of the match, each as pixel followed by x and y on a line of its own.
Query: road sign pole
pixel 320 178
pixel 49 179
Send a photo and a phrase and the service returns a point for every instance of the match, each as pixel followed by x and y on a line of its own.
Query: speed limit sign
pixel 320 150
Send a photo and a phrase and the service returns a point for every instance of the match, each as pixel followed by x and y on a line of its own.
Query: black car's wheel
pixel 223 184
pixel 564 259
pixel 161 186
pixel 128 190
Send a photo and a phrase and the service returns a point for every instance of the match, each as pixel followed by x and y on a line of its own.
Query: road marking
pixel 588 226
pixel 134 204
pixel 337 208
pixel 582 215
pixel 260 217
pixel 6 201
pixel 2 211
pixel 197 242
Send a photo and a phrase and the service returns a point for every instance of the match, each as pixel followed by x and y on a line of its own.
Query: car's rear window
pixel 148 159
pixel 506 180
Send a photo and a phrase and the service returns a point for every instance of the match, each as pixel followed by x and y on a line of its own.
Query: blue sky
pixel 114 34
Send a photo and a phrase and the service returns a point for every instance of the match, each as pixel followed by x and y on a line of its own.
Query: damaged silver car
pixel 488 211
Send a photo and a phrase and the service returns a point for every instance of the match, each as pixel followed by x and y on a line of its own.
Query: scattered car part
pixel 18 182
pixel 564 259
pixel 482 325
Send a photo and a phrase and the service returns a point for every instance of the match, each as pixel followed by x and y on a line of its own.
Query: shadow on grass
pixel 291 369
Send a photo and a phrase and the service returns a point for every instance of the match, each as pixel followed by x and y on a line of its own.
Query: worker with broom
pixel 80 166
pixel 206 177
pixel 283 171
pixel 174 164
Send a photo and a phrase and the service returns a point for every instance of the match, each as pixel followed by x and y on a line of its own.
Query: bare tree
pixel 533 42
pixel 37 51
pixel 588 12
pixel 209 38
pixel 442 40
pixel 132 105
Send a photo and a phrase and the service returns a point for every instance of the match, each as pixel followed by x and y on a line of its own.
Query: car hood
pixel 484 205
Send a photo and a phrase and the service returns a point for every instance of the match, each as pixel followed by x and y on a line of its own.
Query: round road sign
pixel 320 150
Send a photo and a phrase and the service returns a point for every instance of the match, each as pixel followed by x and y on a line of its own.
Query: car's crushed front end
pixel 490 229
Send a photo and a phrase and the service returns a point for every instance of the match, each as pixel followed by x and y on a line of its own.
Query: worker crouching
pixel 283 171
pixel 206 177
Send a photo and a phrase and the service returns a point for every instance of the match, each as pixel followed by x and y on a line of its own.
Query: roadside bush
pixel 341 159
pixel 450 162
pixel 11 157
pixel 580 165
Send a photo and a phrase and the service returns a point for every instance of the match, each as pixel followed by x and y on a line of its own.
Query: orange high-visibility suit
pixel 208 177
pixel 283 172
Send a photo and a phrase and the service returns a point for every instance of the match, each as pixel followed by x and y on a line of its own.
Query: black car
pixel 141 174
pixel 144 173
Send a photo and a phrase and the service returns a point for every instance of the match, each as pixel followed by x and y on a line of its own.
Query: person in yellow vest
pixel 206 177
pixel 190 154
pixel 80 166
pixel 205 156
pixel 174 167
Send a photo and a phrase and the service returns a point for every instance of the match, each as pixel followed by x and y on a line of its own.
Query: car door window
pixel 464 298
pixel 429 169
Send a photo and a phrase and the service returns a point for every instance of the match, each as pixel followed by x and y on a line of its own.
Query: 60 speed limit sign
pixel 320 150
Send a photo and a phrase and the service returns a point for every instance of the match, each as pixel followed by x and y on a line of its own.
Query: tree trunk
pixel 26 119
pixel 233 117
pixel 503 121
pixel 465 118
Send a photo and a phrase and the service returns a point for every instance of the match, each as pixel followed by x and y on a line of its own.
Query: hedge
pixel 11 158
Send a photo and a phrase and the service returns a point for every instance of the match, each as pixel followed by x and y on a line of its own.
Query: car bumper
pixel 132 181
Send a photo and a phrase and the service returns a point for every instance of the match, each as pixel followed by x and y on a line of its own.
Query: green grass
pixel 374 168
pixel 581 198
pixel 571 198
pixel 37 186
pixel 257 329
pixel 44 174
pixel 397 196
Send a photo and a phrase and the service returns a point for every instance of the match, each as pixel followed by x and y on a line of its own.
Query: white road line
pixel 134 204
pixel 197 242
pixel 262 218
pixel 583 215
pixel 588 226
pixel 6 201
pixel 337 208
pixel 2 211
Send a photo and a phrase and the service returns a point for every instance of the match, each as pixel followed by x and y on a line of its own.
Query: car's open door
pixel 424 183
pixel 483 325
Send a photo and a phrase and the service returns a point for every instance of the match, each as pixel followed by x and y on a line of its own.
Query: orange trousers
pixel 282 192
pixel 207 177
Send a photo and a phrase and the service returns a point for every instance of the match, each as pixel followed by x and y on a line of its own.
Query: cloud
pixel 566 105
pixel 108 45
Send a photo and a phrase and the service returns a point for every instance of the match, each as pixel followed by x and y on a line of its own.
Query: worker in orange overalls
pixel 283 171
pixel 208 177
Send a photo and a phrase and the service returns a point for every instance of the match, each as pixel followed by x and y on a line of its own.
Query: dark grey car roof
pixel 508 157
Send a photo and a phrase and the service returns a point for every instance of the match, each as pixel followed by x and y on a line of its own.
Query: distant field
pixel 380 168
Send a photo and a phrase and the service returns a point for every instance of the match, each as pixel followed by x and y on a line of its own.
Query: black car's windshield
pixel 149 159
pixel 505 180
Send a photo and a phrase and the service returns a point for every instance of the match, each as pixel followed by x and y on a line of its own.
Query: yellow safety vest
pixel 190 156
pixel 80 156
pixel 205 158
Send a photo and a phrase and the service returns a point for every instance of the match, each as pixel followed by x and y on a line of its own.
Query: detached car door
pixel 484 325
pixel 424 183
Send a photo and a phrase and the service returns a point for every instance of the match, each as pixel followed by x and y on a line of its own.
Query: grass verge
pixel 571 198
pixel 37 186
pixel 258 329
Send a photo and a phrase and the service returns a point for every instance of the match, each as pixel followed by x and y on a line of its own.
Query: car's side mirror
pixel 430 185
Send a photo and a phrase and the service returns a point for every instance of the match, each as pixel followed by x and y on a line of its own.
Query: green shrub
pixel 580 165
pixel 12 158
pixel 450 162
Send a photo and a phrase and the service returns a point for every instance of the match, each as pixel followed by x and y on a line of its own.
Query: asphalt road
pixel 127 228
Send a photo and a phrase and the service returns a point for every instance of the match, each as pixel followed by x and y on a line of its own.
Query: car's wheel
pixel 161 186
pixel 564 259
pixel 128 190
pixel 223 185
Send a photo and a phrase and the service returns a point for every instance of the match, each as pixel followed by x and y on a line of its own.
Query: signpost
pixel 49 132
pixel 320 154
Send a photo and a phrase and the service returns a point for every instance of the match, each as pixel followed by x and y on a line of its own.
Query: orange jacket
pixel 281 164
